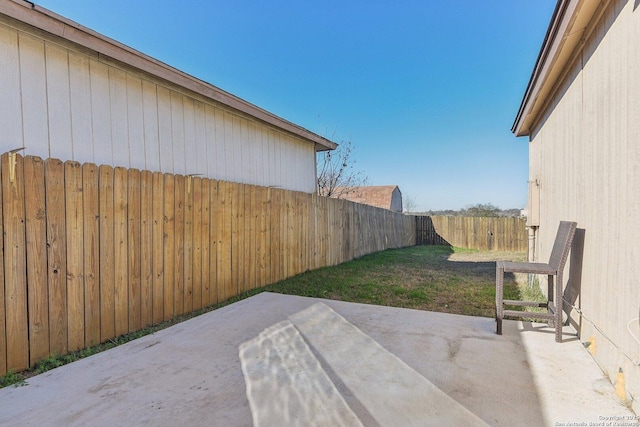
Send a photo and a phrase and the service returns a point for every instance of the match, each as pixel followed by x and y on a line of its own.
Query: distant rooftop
pixel 383 196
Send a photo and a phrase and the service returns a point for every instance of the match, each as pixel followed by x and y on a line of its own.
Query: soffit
pixel 569 26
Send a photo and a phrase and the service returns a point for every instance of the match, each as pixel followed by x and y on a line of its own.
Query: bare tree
pixel 409 204
pixel 337 175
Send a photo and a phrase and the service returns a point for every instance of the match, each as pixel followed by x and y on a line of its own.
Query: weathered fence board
pixel 275 254
pixel 265 221
pixel 484 233
pixel 188 244
pixel 121 242
pixel 107 254
pixel 246 257
pixel 196 189
pixel 179 247
pixel 133 251
pixel 3 325
pixel 208 257
pixel 36 238
pixel 235 200
pixel 91 262
pixel 15 272
pixel 38 298
pixel 91 253
pixel 225 233
pixel 157 213
pixel 146 248
pixel 56 255
pixel 169 244
pixel 216 288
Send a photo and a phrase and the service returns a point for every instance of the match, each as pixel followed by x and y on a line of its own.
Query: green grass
pixel 530 291
pixel 16 379
pixel 433 278
pixel 420 277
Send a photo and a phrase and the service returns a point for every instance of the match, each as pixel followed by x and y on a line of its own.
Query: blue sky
pixel 425 90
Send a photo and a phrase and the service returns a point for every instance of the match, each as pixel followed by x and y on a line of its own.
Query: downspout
pixel 531 255
pixel 532 243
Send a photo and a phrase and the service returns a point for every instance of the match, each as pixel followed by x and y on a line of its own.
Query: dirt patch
pixel 487 256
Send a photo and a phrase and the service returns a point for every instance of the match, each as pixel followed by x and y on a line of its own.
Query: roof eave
pixel 67 29
pixel 565 34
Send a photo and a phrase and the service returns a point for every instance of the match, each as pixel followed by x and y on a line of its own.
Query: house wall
pixel 585 154
pixel 64 101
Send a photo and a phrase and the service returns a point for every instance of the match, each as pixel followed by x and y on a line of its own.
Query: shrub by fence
pixel 498 234
pixel 90 253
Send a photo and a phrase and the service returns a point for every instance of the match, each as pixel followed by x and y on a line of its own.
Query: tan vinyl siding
pixel 66 102
pixel 586 153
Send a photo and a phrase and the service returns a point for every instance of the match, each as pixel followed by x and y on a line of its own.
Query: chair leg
pixel 559 306
pixel 499 298
pixel 550 296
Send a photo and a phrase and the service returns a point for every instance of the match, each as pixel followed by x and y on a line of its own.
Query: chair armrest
pixel 525 267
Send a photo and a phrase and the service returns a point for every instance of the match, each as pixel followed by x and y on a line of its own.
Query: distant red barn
pixel 382 196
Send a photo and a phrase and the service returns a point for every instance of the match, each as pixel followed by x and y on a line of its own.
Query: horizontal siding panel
pixel 63 103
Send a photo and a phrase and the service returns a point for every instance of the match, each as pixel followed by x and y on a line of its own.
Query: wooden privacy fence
pixel 498 234
pixel 90 253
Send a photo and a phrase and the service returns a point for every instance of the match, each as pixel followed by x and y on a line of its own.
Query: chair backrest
pixel 562 244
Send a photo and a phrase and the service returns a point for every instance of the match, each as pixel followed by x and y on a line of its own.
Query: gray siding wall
pixel 62 101
pixel 585 153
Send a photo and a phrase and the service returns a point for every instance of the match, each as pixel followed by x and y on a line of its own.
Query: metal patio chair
pixel 557 260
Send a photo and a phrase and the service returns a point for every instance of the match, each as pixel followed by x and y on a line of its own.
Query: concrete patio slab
pixel 287 360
